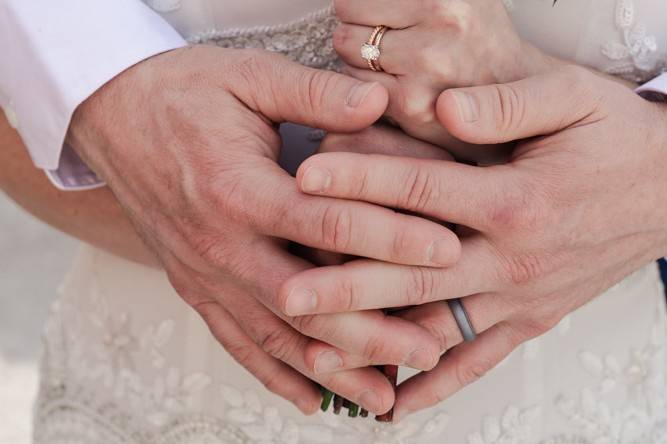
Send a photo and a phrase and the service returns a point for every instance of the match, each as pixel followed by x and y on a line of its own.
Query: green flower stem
pixel 327 397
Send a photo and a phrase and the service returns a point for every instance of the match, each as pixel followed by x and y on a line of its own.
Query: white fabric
pixel 57 53
pixel 127 362
pixel 656 89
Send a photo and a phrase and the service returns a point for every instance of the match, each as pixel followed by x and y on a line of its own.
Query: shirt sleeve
pixel 655 90
pixel 57 53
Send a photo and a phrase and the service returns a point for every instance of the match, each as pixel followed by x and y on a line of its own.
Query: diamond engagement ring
pixel 370 51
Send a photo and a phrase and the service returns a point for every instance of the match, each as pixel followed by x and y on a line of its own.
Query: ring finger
pixel 484 311
pixel 395 45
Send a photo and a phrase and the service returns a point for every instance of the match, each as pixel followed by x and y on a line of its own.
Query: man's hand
pixel 187 142
pixel 576 211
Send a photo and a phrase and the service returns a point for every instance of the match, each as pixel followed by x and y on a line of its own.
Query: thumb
pixel 536 106
pixel 285 91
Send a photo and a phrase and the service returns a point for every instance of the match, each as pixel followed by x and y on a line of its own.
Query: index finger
pixel 458 368
pixel 448 191
pixel 343 226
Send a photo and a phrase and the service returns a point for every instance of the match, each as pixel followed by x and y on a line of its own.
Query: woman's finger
pixel 373 336
pixel 274 337
pixel 364 386
pixel 367 285
pixel 392 13
pixel 458 368
pixel 394 48
pixel 382 139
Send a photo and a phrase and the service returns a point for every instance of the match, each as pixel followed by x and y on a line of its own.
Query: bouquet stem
pixel 391 372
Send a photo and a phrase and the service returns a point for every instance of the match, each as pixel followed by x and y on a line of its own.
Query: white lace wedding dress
pixel 126 361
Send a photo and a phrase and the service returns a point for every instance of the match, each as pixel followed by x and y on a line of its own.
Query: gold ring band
pixel 371 50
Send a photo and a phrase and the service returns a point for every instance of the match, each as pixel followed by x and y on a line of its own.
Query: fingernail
pixel 420 359
pixel 358 93
pixel 300 301
pixel 315 180
pixel 370 401
pixel 303 405
pixel 440 252
pixel 400 414
pixel 327 362
pixel 468 109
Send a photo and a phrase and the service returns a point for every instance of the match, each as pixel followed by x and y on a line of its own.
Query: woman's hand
pixel 435 45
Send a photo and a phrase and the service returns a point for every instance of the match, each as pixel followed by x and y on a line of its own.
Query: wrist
pixel 658 144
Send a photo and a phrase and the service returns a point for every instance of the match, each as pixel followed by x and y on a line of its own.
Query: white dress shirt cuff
pixel 655 90
pixel 56 54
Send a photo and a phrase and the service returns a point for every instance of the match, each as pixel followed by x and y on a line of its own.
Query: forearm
pixel 92 216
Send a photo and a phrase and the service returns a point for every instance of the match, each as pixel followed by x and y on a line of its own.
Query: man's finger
pixel 278 209
pixel 382 139
pixel 283 91
pixel 535 106
pixel 448 191
pixel 365 386
pixel 276 376
pixel 458 368
pixel 483 310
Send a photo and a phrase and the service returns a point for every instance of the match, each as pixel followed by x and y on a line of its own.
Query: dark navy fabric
pixel 663 270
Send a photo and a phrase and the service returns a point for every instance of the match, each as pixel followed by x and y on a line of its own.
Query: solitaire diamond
pixel 370 52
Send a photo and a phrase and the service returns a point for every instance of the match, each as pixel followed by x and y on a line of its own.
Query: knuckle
pixel 315 89
pixel 539 322
pixel 376 350
pixel 341 37
pixel 422 190
pixel 277 343
pixel 421 285
pixel 400 243
pixel 336 229
pixel 520 210
pixel 524 268
pixel 441 69
pixel 456 14
pixel 417 108
pixel 511 111
pixel 211 249
pixel 348 296
pixel 468 372
pixel 243 354
pixel 436 328
pixel 308 324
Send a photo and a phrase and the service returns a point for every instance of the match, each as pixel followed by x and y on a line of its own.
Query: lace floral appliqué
pixel 638 49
